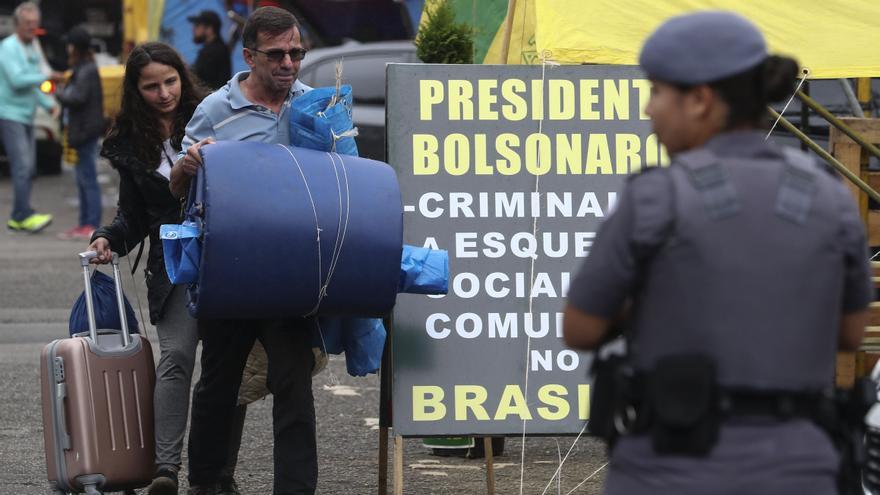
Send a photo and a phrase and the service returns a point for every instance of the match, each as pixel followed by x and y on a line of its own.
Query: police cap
pixel 702 47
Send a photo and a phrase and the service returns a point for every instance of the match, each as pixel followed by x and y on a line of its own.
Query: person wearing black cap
pixel 744 266
pixel 213 65
pixel 83 117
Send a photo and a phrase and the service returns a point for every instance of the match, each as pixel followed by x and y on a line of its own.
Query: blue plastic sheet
pixel 424 271
pixel 317 125
pixel 182 251
pixel 361 339
pixel 106 310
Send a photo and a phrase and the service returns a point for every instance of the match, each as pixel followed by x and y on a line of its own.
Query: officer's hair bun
pixel 780 75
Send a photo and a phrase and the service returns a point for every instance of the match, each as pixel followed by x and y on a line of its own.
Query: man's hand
pixel 55 111
pixel 187 167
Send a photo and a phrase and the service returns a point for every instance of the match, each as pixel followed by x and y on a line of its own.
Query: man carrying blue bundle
pixel 253 106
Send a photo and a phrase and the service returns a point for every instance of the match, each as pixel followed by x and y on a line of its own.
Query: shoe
pixel 229 487
pixel 83 232
pixel 203 490
pixel 164 483
pixel 31 224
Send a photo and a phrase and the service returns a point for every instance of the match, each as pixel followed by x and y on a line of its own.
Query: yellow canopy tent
pixel 832 38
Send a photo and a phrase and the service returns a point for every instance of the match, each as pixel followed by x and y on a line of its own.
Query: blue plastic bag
pixel 182 251
pixel 362 340
pixel 424 271
pixel 316 125
pixel 106 311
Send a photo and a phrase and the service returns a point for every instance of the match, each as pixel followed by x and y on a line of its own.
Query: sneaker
pixel 31 224
pixel 83 232
pixel 229 487
pixel 164 483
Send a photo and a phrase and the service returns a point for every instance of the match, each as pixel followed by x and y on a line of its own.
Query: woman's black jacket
pixel 145 203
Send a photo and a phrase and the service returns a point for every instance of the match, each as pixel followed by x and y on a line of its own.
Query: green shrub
pixel 443 41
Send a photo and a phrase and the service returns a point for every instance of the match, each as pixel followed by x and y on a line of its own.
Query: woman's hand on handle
pixel 101 246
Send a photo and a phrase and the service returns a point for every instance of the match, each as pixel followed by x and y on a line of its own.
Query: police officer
pixel 744 267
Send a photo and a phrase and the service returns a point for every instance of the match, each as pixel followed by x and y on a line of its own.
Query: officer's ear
pixel 248 57
pixel 702 103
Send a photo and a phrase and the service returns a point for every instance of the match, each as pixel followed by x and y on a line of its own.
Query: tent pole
pixel 508 27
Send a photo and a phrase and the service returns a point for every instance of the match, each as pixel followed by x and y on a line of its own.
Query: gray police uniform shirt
pixel 753 279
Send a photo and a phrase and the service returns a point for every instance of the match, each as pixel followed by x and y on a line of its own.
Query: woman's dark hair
pixel 137 121
pixel 748 93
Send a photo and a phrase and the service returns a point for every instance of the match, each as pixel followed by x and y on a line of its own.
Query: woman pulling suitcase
pixel 159 96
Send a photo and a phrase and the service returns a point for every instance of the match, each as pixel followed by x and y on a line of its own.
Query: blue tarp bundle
pixel 424 271
pixel 321 120
pixel 106 309
pixel 182 251
pixel 361 339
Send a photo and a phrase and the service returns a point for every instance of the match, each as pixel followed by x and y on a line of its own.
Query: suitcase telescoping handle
pixel 90 305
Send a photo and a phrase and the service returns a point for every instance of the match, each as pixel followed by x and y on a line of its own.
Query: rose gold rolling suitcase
pixel 98 405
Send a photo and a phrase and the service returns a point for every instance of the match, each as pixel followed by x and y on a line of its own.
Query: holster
pixel 682 402
pixel 846 427
pixel 608 392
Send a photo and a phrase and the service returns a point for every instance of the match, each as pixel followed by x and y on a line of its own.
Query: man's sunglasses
pixel 278 55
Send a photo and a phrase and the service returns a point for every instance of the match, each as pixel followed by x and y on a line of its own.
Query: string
pixel 331 377
pixel 559 469
pixel 342 226
pixel 137 296
pixel 806 73
pixel 587 478
pixel 317 223
pixel 559 458
pixel 545 56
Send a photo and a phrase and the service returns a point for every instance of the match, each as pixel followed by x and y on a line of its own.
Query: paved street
pixel 39 280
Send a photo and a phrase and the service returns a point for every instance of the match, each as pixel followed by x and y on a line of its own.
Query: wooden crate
pixel 853 365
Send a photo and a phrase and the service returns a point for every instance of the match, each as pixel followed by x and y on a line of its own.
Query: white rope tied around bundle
pixel 353 132
pixel 805 72
pixel 545 61
pixel 335 99
pixel 317 222
pixel 342 225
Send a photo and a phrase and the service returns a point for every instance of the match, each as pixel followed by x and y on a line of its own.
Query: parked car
pixel 363 68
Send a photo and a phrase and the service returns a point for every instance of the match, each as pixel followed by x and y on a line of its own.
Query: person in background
pixel 213 65
pixel 20 80
pixel 159 95
pixel 83 103
pixel 746 266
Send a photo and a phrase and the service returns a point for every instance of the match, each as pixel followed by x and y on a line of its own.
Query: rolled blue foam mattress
pixel 293 232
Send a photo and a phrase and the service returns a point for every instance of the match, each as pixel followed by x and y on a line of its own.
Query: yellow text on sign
pixel 471 402
pixel 459 154
pixel 536 99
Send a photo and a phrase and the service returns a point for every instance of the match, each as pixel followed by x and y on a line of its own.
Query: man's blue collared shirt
pixel 226 115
